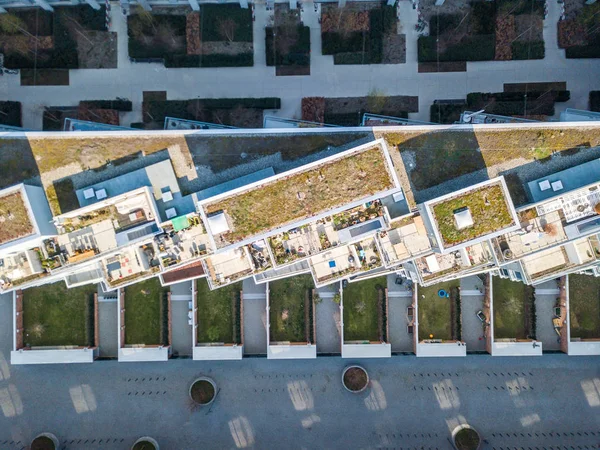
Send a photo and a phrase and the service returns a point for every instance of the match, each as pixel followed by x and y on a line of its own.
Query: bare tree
pixel 227 29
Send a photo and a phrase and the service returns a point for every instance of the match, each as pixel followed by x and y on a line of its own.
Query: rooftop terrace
pixel 475 212
pixel 15 222
pixel 303 194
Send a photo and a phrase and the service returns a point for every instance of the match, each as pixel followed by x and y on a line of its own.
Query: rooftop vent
pixel 463 218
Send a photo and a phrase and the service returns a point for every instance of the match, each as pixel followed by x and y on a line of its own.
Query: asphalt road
pixel 548 402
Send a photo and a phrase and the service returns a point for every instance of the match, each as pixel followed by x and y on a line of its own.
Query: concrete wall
pixel 517 348
pixel 41 210
pixel 442 350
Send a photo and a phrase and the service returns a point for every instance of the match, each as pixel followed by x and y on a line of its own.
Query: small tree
pixel 227 29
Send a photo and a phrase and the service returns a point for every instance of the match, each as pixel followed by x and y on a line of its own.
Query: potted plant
pixel 145 443
pixel 203 391
pixel 45 441
pixel 355 379
pixel 464 437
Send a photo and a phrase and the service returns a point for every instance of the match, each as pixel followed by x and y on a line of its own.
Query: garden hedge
pixel 10 113
pixel 595 101
pixel 446 113
pixel 119 105
pixel 216 60
pixel 583 51
pixel 212 15
pixel 298 55
pixel 528 50
pixel 471 48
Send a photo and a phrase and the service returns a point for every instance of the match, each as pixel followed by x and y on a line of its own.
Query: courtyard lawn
pixel 362 310
pixel 584 306
pixel 510 301
pixel 146 313
pixel 218 313
pixel 288 303
pixel 54 315
pixel 435 313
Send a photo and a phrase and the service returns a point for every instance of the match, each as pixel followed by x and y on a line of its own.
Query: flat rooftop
pixel 484 209
pixel 15 220
pixel 304 193
pixel 570 179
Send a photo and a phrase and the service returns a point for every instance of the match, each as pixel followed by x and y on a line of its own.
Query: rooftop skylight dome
pixel 463 218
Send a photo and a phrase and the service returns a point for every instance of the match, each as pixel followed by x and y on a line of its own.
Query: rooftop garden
pixel 146 313
pixel 514 311
pixel 218 315
pixel 364 310
pixel 356 215
pixel 584 306
pixel 14 218
pixel 438 314
pixel 54 315
pixel 304 194
pixel 488 208
pixel 290 309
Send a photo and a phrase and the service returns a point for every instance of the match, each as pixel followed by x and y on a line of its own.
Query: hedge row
pixel 216 60
pixel 477 98
pixel 583 51
pixel 299 53
pixel 446 113
pixel 212 16
pixel 595 101
pixel 119 105
pixel 471 48
pixel 512 103
pixel 528 50
pixel 10 113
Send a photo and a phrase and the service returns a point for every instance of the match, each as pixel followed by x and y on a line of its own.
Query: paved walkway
pixel 400 298
pixel 545 300
pixel 326 79
pixel 182 331
pixel 255 318
pixel 329 339
pixel 107 328
pixel 471 302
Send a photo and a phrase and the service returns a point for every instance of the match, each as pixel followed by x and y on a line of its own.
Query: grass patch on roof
pixel 584 306
pixel 488 208
pixel 288 304
pixel 146 313
pixel 305 194
pixel 362 310
pixel 218 313
pixel 54 315
pixel 14 218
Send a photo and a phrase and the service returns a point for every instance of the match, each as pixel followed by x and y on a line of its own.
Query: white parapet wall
pixel 531 348
pixel 383 350
pixel 584 348
pixel 443 349
pixel 52 356
pixel 139 354
pixel 218 352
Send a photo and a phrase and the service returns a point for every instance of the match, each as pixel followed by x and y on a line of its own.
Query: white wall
pixel 138 354
pixel 584 348
pixel 516 349
pixel 53 356
pixel 442 350
pixel 41 210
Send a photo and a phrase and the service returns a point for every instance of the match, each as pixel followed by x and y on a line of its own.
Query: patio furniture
pixel 101 194
pixel 443 294
pixel 481 316
pixel 544 185
pixel 557 186
pixel 88 193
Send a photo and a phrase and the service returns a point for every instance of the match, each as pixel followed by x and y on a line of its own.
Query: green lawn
pixel 361 309
pixel 54 315
pixel 435 312
pixel 146 313
pixel 217 319
pixel 510 303
pixel 584 306
pixel 287 308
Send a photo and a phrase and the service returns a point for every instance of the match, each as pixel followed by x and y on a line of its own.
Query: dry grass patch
pixel 305 194
pixel 14 218
pixel 488 208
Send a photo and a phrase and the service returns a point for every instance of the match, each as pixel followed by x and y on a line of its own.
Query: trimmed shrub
pixel 332 43
pixel 212 18
pixel 351 58
pixel 119 105
pixel 528 50
pixel 583 51
pixel 446 113
pixel 471 48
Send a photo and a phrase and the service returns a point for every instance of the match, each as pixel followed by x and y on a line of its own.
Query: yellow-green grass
pixel 362 309
pixel 146 313
pixel 510 303
pixel 54 315
pixel 435 312
pixel 584 306
pixel 287 308
pixel 305 194
pixel 488 208
pixel 15 218
pixel 218 319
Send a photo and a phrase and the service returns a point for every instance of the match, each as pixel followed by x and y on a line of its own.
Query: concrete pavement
pixel 326 79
